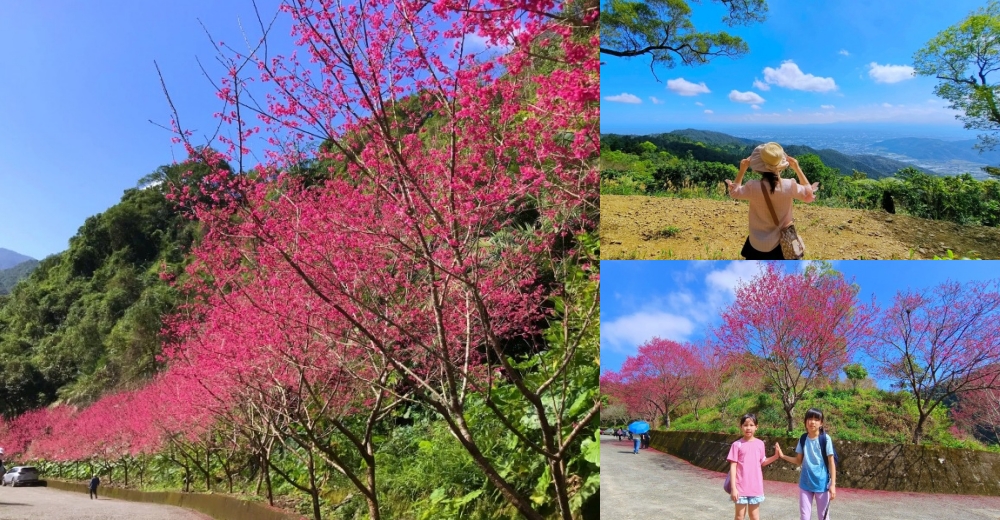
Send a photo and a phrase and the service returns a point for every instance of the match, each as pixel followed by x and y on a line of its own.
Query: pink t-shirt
pixel 763 233
pixel 748 456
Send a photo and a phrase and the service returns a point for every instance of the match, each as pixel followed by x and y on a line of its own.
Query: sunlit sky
pixel 843 61
pixel 80 88
pixel 682 300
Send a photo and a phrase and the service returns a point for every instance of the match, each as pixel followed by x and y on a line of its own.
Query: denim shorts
pixel 750 500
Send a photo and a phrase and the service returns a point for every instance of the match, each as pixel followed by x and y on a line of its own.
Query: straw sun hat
pixel 768 157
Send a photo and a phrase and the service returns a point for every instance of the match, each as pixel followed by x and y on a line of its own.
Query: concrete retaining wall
pixel 220 507
pixel 863 465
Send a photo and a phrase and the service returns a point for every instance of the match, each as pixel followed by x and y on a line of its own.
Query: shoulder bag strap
pixel 770 207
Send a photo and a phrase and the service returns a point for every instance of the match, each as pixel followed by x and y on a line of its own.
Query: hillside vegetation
pixel 865 415
pixel 629 167
pixel 87 320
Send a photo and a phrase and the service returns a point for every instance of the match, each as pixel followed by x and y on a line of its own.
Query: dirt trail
pixel 636 227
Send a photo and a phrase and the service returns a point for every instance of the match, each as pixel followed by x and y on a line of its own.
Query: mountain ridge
pixel 710 146
pixel 10 258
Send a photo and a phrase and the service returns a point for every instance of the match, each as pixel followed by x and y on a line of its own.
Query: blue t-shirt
pixel 815 474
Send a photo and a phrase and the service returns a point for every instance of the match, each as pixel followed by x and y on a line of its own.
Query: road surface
pixel 654 485
pixel 36 503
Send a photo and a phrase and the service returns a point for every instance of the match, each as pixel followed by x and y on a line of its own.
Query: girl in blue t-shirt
pixel 819 477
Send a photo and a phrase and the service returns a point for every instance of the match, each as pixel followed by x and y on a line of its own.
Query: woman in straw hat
pixel 769 160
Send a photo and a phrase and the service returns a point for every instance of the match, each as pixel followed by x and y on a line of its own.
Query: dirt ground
pixel 637 227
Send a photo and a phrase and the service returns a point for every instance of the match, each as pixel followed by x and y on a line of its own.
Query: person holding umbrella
pixel 637 428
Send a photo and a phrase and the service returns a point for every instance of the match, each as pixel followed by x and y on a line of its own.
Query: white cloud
pixel 683 87
pixel 827 107
pixel 727 279
pixel 745 97
pixel 699 103
pixel 679 315
pixel 886 105
pixel 789 110
pixel 655 100
pixel 843 52
pixel 760 85
pixel 755 107
pixel 709 112
pixel 624 97
pixel 789 76
pixel 889 73
pixel 627 332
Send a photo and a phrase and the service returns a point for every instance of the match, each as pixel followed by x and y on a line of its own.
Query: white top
pixel 764 234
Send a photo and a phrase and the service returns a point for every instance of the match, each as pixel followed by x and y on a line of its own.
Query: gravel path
pixel 656 485
pixel 35 503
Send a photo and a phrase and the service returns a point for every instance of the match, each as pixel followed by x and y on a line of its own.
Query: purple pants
pixel 805 504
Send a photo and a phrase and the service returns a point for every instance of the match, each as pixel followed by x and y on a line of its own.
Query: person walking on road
pixel 818 479
pixel 770 199
pixel 93 487
pixel 746 458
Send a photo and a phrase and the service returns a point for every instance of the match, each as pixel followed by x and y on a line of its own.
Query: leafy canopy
pixel 663 30
pixel 963 57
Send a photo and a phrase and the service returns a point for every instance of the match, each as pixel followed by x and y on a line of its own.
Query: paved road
pixel 38 503
pixel 654 485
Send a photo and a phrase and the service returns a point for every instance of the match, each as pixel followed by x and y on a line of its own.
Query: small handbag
pixel 725 485
pixel 792 247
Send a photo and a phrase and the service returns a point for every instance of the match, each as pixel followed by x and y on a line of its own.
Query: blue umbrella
pixel 639 427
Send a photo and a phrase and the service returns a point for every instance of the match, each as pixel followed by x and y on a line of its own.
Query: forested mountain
pixel 723 148
pixel 10 276
pixel 88 320
pixel 10 258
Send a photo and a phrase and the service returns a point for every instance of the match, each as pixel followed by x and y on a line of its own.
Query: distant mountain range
pixel 938 150
pixel 10 258
pixel 14 267
pixel 12 275
pixel 730 149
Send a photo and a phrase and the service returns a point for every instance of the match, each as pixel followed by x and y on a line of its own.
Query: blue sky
pixel 79 88
pixel 682 300
pixel 845 62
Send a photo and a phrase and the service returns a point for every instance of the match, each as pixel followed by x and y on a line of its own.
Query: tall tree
pixel 938 343
pixel 661 373
pixel 663 30
pixel 963 57
pixel 798 328
pixel 419 251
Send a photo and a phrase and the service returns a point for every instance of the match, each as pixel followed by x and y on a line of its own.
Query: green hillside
pixel 674 165
pixel 718 147
pixel 88 320
pixel 868 415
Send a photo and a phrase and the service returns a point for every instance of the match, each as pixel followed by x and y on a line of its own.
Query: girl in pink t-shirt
pixel 746 458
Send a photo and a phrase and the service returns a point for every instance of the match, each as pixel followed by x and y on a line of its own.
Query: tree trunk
pixel 373 511
pixel 918 431
pixel 313 492
pixel 788 416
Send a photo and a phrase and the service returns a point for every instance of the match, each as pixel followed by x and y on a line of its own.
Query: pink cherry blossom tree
pixel 797 328
pixel 939 343
pixel 978 411
pixel 431 251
